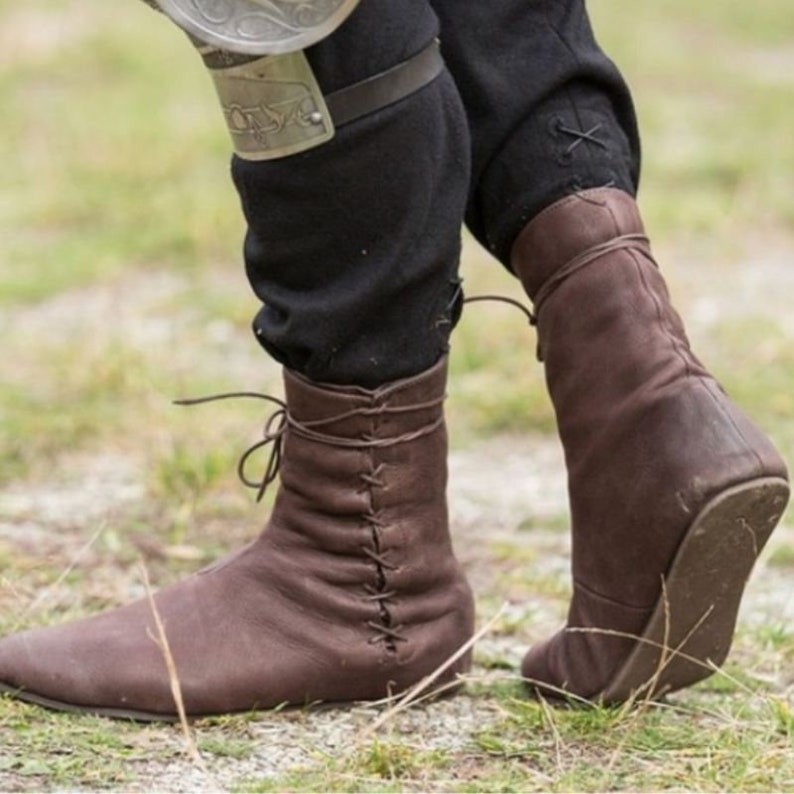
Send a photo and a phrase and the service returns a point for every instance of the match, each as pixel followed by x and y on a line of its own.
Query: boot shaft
pixel 369 453
pixel 363 478
pixel 648 434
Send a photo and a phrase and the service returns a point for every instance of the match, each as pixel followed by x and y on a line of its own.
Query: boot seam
pixel 703 380
pixel 614 602
pixel 707 386
pixel 675 344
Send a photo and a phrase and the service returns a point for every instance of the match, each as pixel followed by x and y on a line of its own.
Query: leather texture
pixel 649 436
pixel 386 88
pixel 351 592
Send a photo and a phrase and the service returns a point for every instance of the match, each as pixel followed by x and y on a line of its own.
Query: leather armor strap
pixel 386 88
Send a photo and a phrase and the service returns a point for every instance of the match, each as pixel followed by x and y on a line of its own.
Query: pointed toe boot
pixel 673 491
pixel 351 592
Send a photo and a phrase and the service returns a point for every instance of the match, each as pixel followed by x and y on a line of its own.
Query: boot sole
pixel 115 714
pixel 691 629
pixel 151 716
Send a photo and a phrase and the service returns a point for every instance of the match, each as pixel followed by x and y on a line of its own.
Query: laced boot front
pixel 673 491
pixel 351 592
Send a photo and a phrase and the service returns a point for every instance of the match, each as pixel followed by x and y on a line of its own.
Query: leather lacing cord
pixel 379 592
pixel 279 421
pixel 580 137
pixel 274 432
pixel 638 242
pixel 531 318
pixel 626 241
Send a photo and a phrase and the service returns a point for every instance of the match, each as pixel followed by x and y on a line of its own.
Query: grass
pixel 715 106
pixel 711 744
pixel 121 287
pixel 608 750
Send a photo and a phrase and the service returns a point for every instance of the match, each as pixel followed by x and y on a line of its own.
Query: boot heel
pixel 691 629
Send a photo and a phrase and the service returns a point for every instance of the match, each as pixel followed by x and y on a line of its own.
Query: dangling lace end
pixel 531 318
pixel 275 427
pixel 234 395
pixel 274 436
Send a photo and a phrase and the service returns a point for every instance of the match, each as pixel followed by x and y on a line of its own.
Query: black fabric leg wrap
pixel 353 246
pixel 549 113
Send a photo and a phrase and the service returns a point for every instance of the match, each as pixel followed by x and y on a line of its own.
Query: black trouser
pixel 353 247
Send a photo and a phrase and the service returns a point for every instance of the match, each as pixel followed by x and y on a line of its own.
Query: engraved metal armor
pixel 258 27
pixel 273 105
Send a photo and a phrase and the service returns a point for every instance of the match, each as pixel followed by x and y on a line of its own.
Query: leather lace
pixel 580 136
pixel 626 241
pixel 637 242
pixel 281 420
pixel 532 319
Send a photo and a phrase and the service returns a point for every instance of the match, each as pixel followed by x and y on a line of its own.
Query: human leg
pixel 381 204
pixel 352 590
pixel 549 113
pixel 673 491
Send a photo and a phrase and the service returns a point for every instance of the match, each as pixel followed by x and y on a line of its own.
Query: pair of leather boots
pixel 353 592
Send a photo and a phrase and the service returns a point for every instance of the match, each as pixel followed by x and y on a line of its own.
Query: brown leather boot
pixel 351 593
pixel 673 491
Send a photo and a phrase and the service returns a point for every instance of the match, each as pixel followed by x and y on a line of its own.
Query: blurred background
pixel 121 282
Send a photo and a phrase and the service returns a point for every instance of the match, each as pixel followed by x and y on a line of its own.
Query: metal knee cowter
pixel 258 27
